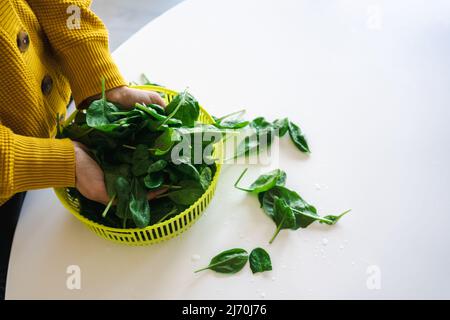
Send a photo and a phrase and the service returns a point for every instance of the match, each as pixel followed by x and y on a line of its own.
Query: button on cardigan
pixel 43 59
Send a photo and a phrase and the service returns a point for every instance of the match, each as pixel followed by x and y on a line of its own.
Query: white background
pixel 368 81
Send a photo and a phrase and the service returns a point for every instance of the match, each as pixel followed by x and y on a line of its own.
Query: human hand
pixel 89 177
pixel 127 97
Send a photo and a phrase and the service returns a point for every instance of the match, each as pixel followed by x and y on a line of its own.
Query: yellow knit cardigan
pixel 43 59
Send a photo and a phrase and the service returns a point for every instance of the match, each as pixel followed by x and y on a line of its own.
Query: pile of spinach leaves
pixel 133 148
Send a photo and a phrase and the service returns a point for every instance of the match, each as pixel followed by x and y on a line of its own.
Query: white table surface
pixel 369 83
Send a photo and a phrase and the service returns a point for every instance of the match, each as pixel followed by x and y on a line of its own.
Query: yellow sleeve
pixel 33 163
pixel 83 51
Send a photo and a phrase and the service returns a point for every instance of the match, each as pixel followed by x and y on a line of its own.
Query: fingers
pixel 128 97
pixel 153 194
pixel 147 97
pixel 151 97
pixel 156 99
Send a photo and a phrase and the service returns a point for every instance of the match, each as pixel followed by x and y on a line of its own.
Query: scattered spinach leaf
pixel 264 182
pixel 229 261
pixel 259 260
pixel 282 126
pixel 298 138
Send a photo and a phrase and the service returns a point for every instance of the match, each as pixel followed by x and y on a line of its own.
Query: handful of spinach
pixel 133 148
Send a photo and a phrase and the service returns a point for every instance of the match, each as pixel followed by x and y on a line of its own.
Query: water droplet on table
pixel 262 294
pixel 341 247
pixel 318 187
pixel 195 257
pixel 273 278
pixel 325 241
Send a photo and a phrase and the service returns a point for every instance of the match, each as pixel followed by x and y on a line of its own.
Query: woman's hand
pixel 89 177
pixel 128 97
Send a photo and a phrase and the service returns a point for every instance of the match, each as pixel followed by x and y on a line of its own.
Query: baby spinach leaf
pixel 260 260
pixel 205 177
pixel 283 216
pixel 260 123
pixel 112 173
pixel 282 126
pixel 173 176
pixel 229 261
pixel 298 138
pixel 141 160
pixel 232 124
pixel 156 113
pixel 157 108
pixel 153 180
pixel 305 214
pixel 262 136
pixel 188 170
pixel 231 121
pixel 260 198
pixel 157 166
pixel 123 188
pixel 264 182
pixel 189 192
pixel 98 116
pixel 139 206
pixel 185 108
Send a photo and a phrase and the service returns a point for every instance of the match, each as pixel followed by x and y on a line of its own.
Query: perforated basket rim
pixel 62 192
